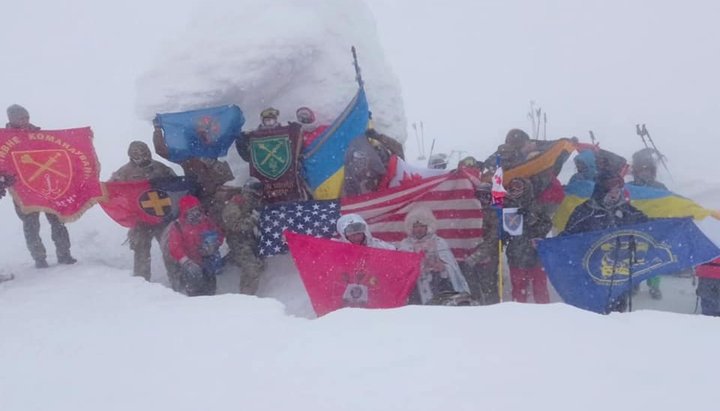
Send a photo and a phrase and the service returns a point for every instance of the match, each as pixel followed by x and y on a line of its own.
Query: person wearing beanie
pixel 141 166
pixel 192 243
pixel 19 119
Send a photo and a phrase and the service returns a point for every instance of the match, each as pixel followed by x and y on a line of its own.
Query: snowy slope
pixel 90 338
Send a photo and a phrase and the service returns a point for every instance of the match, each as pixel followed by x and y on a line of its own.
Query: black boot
pixel 66 259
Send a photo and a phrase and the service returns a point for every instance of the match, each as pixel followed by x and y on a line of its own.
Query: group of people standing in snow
pixel 219 213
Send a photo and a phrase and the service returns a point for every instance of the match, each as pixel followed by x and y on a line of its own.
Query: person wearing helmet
pixel 192 243
pixel 141 166
pixel 354 230
pixel 440 276
pixel 241 222
pixel 438 161
pixel 19 119
pixel 269 119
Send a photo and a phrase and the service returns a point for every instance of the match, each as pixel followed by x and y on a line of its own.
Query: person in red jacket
pixel 193 243
pixel 708 288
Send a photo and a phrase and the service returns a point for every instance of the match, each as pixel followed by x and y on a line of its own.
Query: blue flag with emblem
pixel 205 133
pixel 324 159
pixel 591 270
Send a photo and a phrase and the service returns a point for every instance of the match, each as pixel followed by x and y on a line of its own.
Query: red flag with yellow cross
pixel 149 202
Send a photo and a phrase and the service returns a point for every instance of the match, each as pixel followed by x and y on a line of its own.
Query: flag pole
pixel 499 209
pixel 358 73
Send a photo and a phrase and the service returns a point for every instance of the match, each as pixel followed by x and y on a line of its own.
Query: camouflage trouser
pixel 31 229
pixel 243 255
pixel 483 282
pixel 140 238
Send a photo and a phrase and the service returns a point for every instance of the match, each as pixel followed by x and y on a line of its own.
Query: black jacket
pixel 592 216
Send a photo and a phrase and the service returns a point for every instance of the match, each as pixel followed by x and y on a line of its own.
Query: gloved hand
pixel 191 268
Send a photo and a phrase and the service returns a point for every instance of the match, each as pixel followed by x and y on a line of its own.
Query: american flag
pixel 451 197
pixel 316 218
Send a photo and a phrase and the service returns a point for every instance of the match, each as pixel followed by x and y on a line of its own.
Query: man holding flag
pixel 19 119
pixel 142 167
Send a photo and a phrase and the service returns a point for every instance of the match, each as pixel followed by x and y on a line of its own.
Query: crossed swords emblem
pixel 271 153
pixel 42 167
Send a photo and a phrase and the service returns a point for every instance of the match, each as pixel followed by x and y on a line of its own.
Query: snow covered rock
pixel 280 53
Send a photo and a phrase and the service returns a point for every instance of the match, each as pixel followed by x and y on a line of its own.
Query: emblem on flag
pixel 208 129
pixel 271 155
pixel 609 260
pixel 47 172
pixel 156 203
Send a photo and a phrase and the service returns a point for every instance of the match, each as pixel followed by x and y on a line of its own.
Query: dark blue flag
pixel 591 270
pixel 316 218
pixel 206 133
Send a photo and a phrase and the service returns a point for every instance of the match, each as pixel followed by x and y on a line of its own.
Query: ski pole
pixel 661 157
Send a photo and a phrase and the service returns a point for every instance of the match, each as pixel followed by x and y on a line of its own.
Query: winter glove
pixel 191 268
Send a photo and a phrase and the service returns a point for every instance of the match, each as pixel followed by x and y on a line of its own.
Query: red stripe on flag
pixel 451 198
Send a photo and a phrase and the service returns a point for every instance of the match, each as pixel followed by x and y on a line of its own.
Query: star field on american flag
pixel 316 218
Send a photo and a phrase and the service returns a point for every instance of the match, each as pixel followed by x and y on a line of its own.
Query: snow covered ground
pixel 91 337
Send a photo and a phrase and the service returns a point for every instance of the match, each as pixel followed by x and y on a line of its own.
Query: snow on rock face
pixel 280 53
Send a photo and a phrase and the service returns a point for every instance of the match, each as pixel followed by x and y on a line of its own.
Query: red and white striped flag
pixel 451 197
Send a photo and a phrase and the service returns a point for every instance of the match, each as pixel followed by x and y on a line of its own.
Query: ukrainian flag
pixel 654 202
pixel 324 159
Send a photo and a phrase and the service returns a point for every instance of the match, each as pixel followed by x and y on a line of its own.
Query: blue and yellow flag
pixel 591 270
pixel 654 202
pixel 205 133
pixel 324 159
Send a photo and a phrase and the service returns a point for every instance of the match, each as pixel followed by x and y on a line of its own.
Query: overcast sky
pixel 468 68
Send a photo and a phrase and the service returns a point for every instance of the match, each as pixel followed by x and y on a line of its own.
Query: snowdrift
pixel 91 338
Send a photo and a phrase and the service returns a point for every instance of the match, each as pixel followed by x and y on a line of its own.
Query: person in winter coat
pixel 353 229
pixel 586 167
pixel 19 119
pixel 482 264
pixel 142 167
pixel 644 171
pixel 240 222
pixel 708 288
pixel 440 276
pixel 607 208
pixel 211 174
pixel 523 259
pixel 192 243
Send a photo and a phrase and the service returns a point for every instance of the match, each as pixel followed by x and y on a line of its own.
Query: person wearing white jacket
pixel 440 275
pixel 353 229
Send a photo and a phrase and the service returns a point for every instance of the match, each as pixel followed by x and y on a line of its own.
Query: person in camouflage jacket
pixel 141 166
pixel 482 264
pixel 19 119
pixel 240 222
pixel 523 259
